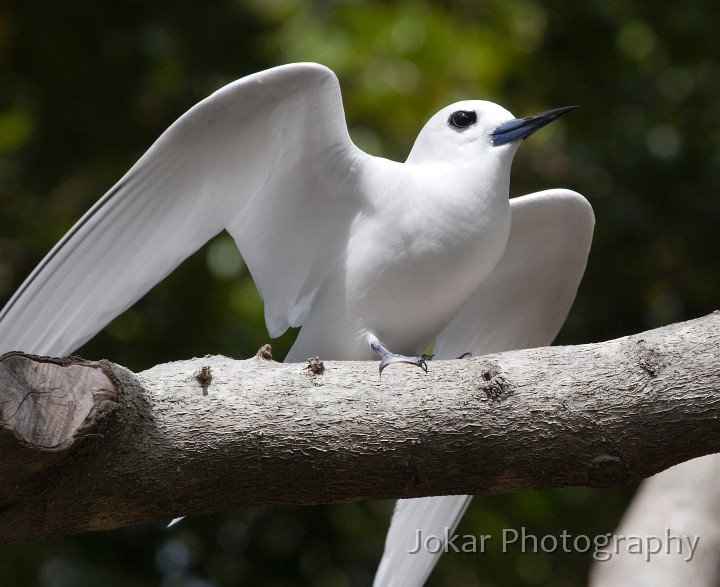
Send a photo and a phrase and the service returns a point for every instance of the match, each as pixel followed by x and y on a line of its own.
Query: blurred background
pixel 85 87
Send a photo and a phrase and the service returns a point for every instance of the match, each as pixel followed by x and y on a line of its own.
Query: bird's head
pixel 476 130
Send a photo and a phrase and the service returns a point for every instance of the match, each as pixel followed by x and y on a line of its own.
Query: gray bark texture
pixel 91 446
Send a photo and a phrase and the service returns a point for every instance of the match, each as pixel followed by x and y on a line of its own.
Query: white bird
pixel 351 247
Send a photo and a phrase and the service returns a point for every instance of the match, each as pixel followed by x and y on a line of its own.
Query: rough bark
pixel 91 446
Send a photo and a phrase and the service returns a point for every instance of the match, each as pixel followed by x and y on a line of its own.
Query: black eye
pixel 462 118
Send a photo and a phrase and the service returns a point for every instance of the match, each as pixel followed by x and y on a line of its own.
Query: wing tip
pixel 303 68
pixel 569 201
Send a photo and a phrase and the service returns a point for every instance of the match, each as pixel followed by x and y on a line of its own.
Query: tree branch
pixel 681 501
pixel 90 446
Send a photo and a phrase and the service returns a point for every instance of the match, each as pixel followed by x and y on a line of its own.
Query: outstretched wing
pixel 525 300
pixel 266 156
pixel 522 304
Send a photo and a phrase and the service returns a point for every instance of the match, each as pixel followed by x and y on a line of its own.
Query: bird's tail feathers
pixel 418 533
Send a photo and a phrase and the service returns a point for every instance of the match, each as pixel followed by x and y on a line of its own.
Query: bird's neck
pixel 436 191
pixel 465 190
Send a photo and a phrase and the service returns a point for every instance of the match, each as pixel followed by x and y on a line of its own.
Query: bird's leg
pixel 388 358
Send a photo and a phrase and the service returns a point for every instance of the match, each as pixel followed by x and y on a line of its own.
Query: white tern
pixel 355 249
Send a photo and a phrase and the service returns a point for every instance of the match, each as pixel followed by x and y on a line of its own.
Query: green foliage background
pixel 86 86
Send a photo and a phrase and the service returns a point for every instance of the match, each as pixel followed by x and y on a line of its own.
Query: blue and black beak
pixel 521 128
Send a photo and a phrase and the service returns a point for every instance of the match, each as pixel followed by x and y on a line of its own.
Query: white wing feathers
pixel 522 304
pixel 231 161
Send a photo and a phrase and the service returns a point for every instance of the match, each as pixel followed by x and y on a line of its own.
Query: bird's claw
pixel 389 358
pixel 418 361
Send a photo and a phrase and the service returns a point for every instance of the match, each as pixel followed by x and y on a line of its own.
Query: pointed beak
pixel 521 128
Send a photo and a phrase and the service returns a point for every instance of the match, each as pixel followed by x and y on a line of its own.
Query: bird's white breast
pixel 429 240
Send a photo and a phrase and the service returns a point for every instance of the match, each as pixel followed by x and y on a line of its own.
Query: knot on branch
pixel 607 470
pixel 315 366
pixel 204 377
pixel 49 403
pixel 493 382
pixel 649 357
pixel 265 352
pixel 203 374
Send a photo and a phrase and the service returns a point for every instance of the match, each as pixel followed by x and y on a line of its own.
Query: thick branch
pixel 90 446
